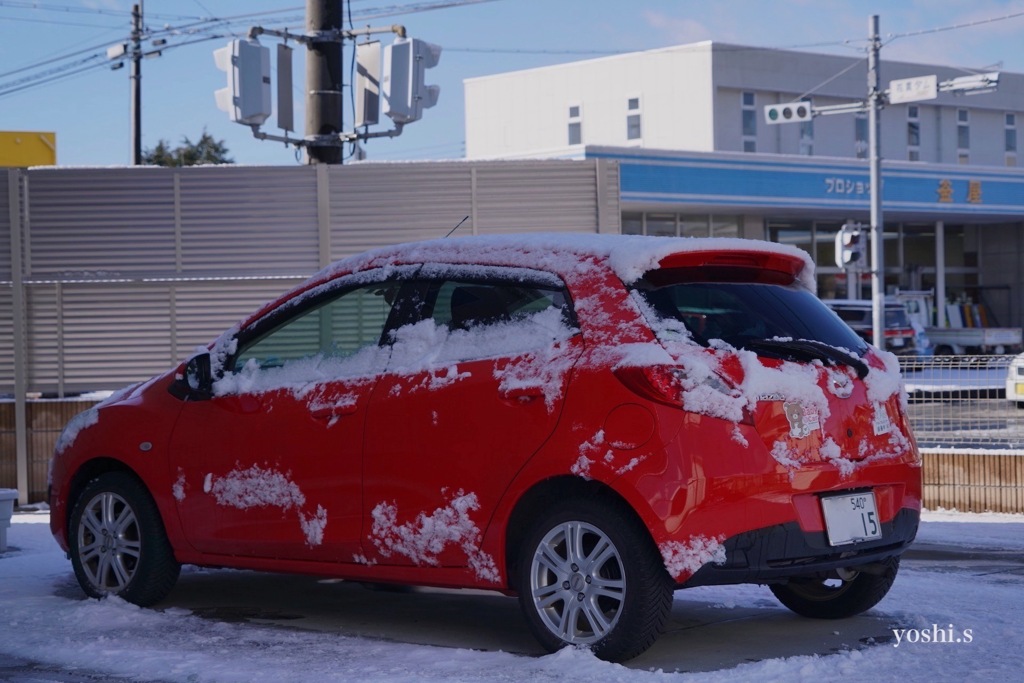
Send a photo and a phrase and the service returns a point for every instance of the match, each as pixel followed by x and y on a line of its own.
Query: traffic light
pixel 850 246
pixel 405 93
pixel 246 98
pixel 788 113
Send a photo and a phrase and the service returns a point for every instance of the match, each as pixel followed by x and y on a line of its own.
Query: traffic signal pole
pixel 875 96
pixel 136 81
pixel 899 91
pixel 246 98
pixel 324 81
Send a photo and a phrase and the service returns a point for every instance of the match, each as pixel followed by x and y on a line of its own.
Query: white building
pixel 686 125
pixel 709 97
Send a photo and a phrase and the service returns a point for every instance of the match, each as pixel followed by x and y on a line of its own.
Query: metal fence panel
pixel 961 401
pixel 99 223
pixel 373 205
pixel 126 270
pixel 5 228
pixel 253 221
pixel 526 197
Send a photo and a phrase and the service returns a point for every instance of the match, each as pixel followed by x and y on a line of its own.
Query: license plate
pixel 851 518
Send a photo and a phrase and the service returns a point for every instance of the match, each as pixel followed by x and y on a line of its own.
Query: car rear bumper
pixel 784 551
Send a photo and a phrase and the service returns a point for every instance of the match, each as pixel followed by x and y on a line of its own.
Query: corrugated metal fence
pixel 108 276
pixel 111 275
pixel 966 480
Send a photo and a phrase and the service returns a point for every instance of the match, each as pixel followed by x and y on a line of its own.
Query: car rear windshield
pixel 741 313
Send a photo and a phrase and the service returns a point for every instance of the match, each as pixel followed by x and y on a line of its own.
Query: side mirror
pixel 198 375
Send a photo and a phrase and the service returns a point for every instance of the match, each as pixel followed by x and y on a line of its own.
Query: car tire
pixel 118 544
pixel 591 576
pixel 837 598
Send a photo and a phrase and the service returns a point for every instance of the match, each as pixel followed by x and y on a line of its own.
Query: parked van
pixel 900 335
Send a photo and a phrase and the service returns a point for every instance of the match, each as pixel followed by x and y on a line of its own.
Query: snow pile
pixel 542 371
pixel 301 375
pixel 683 560
pixel 426 355
pixel 590 449
pixel 180 486
pixel 596 452
pixel 89 417
pixel 313 526
pixel 423 539
pixel 259 487
pixel 255 487
pixel 630 256
pixel 319 401
pixel 714 633
pixel 84 420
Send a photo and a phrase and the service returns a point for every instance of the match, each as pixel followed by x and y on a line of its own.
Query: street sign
pixel 913 89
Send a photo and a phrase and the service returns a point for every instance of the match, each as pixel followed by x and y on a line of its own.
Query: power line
pixel 953 27
pixel 73 9
pixel 51 22
pixel 201 28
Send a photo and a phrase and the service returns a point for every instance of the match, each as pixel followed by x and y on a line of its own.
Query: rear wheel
pixel 591 576
pixel 847 594
pixel 118 545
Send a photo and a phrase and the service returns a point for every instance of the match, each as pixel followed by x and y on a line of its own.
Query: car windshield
pixel 745 313
pixel 896 317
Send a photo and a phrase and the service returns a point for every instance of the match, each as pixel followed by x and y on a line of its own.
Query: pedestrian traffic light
pixel 850 246
pixel 246 98
pixel 788 113
pixel 405 93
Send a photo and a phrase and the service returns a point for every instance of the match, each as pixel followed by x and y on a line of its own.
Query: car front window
pixel 338 327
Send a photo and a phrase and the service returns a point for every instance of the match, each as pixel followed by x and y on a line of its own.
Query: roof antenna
pixel 456 227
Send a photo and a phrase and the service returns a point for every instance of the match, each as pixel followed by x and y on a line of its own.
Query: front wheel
pixel 591 576
pixel 118 545
pixel 847 594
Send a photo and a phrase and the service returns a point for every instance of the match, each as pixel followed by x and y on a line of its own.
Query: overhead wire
pixel 203 29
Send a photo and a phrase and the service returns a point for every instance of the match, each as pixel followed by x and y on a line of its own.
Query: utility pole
pixel 136 84
pixel 914 89
pixel 875 97
pixel 324 80
pixel 246 98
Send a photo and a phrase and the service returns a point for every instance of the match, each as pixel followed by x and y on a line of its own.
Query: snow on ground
pixel 44 618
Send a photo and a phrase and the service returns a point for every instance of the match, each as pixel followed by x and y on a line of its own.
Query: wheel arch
pixel 557 490
pixel 88 471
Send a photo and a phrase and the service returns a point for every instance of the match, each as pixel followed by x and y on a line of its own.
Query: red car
pixel 587 422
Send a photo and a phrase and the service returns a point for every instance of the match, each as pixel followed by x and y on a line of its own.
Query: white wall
pixel 526 113
pixel 690 99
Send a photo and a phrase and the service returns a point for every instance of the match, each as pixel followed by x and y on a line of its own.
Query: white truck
pixel 957 338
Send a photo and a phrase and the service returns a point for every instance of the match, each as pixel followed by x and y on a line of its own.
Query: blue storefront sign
pixel 785 182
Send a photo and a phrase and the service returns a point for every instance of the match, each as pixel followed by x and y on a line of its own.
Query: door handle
pixel 334 411
pixel 521 394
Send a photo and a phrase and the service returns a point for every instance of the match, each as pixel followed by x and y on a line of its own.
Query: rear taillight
pixel 669 384
pixel 661 383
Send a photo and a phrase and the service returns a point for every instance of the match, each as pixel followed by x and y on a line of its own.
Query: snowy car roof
pixel 629 256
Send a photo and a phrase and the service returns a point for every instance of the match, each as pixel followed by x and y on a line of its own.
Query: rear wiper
pixel 812 349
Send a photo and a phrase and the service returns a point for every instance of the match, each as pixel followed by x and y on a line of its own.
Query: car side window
pixel 465 305
pixel 466 316
pixel 337 327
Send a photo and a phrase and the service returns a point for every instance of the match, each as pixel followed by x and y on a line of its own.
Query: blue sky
pixel 90 111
